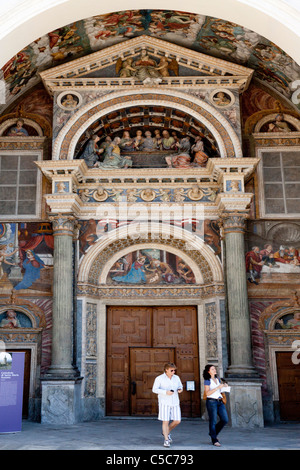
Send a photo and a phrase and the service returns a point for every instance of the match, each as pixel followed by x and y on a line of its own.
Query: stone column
pixel 62 316
pixel 61 383
pixel 245 399
pixel 237 295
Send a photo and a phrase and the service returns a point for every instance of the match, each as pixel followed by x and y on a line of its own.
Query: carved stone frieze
pixel 211 331
pixel 195 292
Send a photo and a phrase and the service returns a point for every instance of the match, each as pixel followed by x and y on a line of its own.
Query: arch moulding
pixel 221 129
pixel 96 263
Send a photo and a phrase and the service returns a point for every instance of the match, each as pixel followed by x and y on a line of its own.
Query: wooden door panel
pixel 145 365
pixel 289 386
pixel 126 326
pixel 140 340
pixel 177 327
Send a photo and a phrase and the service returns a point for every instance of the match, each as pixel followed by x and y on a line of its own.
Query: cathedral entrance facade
pixel 148 177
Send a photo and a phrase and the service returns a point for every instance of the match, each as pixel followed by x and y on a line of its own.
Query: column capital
pixel 63 224
pixel 234 221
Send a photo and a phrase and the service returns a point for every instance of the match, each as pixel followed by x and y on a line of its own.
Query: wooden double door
pixel 140 340
pixel 289 386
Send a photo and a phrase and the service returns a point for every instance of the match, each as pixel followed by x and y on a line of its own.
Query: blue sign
pixel 11 391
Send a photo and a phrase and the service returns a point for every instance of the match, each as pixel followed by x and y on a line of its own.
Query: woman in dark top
pixel 214 404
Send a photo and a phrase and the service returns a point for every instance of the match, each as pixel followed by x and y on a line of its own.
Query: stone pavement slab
pixel 145 434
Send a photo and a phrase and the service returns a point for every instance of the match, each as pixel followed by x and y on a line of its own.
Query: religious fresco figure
pixel 182 158
pixel 162 148
pixel 3 259
pixel 146 68
pixel 32 265
pixel 151 266
pixel 157 139
pixel 126 142
pixel 136 273
pixel 91 152
pixel 11 320
pixel 290 324
pixel 18 130
pixel 69 101
pixel 138 140
pixel 200 157
pixel 149 144
pixel 279 125
pixel 168 142
pixel 221 99
pixel 113 158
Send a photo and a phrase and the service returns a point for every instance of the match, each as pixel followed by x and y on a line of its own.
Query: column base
pixel 61 401
pixel 245 403
pixel 61 373
pixel 241 371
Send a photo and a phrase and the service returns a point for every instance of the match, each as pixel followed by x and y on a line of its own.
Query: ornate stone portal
pixel 149 204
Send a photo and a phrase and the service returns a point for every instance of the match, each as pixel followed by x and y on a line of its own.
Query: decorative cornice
pixel 69 75
pixel 163 292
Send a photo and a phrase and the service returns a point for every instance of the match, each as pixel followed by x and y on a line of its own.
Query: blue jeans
pixel 216 408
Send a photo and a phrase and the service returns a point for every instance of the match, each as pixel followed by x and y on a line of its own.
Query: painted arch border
pixel 226 137
pixel 195 243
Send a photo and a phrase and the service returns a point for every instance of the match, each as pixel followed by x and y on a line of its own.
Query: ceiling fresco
pixel 212 36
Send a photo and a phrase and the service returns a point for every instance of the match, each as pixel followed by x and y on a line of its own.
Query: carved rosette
pixel 63 224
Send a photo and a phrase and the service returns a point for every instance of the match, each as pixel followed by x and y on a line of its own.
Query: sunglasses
pixel 172 370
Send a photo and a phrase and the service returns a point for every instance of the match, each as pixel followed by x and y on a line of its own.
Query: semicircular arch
pixel 99 258
pixel 223 132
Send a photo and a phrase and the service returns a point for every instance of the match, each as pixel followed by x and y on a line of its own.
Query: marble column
pixel 245 401
pixel 237 295
pixel 62 316
pixel 61 402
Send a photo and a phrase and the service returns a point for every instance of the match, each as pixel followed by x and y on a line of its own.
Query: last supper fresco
pixel 146 137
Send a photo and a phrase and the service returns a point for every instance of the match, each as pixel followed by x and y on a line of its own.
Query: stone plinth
pixel 245 404
pixel 61 402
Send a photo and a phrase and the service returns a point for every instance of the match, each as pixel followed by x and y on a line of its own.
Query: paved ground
pixel 145 434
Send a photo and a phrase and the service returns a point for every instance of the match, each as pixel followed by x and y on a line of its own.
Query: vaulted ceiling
pixel 274 70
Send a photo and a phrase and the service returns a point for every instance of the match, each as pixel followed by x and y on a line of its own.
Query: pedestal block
pixel 61 402
pixel 245 404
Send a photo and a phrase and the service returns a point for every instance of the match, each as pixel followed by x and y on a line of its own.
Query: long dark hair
pixel 206 374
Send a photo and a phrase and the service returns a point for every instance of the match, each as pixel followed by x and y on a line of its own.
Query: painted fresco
pixel 208 35
pixel 150 267
pixel 13 319
pixel 26 257
pixel 92 230
pixel 273 263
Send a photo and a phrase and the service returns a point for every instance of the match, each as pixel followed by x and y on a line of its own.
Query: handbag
pixel 224 399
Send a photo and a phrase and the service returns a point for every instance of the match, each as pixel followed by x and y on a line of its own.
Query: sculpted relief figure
pixel 146 68
pixel 279 125
pixel 144 149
